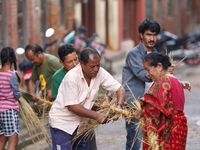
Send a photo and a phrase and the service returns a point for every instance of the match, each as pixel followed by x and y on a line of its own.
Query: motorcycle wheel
pixel 193 61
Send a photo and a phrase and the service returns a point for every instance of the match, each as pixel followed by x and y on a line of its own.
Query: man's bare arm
pixel 121 95
pixel 31 88
pixel 84 112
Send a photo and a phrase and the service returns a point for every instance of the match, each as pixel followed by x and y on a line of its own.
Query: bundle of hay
pixel 174 63
pixel 32 122
pixel 152 140
pixel 112 113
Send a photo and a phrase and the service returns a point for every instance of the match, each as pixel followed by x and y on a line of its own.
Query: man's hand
pixel 186 85
pixel 119 106
pixel 102 119
pixel 49 95
pixel 31 89
pixel 33 98
pixel 171 69
pixel 84 112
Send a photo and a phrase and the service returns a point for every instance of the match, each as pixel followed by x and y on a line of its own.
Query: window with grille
pixel 148 9
pixel 44 23
pixel 170 8
pixel 22 24
pixel 62 13
pixel 189 6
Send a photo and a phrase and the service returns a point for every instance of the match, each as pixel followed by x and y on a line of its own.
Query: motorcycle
pixel 93 42
pixel 187 47
pixel 70 37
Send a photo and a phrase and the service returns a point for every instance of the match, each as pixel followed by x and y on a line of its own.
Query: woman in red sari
pixel 163 105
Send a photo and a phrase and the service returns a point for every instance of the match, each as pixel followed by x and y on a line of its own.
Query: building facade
pixel 115 21
pixel 176 16
pixel 25 21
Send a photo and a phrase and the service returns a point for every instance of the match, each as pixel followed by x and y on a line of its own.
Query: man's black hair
pixel 64 50
pixel 86 52
pixel 149 24
pixel 35 48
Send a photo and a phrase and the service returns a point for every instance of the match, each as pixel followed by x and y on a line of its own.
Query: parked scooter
pixel 80 41
pixel 187 47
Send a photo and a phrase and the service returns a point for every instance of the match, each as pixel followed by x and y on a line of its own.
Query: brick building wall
pixel 54 21
pixel 12 23
pixel 69 14
pixel 37 24
pixel 190 21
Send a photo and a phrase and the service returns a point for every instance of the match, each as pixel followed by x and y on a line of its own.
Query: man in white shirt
pixel 76 97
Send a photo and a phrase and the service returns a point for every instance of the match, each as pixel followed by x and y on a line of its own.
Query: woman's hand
pixel 186 85
pixel 138 114
pixel 171 69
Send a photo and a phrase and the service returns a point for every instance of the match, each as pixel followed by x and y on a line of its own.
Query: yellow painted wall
pixel 77 13
pixel 113 24
pixel 113 35
pixel 101 20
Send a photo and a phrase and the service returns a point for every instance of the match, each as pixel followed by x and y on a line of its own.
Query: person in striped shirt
pixel 9 93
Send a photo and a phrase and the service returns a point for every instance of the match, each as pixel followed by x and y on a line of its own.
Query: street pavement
pixel 112 136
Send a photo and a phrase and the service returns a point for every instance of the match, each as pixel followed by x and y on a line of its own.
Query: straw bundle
pixel 41 106
pixel 109 108
pixel 174 63
pixel 41 100
pixel 31 121
pixel 112 113
pixel 152 140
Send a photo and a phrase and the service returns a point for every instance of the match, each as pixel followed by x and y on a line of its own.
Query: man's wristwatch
pixel 120 105
pixel 110 95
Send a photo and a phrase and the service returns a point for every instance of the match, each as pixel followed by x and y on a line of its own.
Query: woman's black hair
pixel 86 52
pixel 8 55
pixel 155 57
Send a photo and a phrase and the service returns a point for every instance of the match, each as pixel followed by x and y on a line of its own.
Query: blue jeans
pixel 62 140
pixel 92 142
pixel 133 134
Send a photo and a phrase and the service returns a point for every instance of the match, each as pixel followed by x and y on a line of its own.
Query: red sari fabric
pixel 179 134
pixel 158 113
pixel 159 116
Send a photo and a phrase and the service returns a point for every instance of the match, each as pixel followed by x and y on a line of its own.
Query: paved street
pixel 113 135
